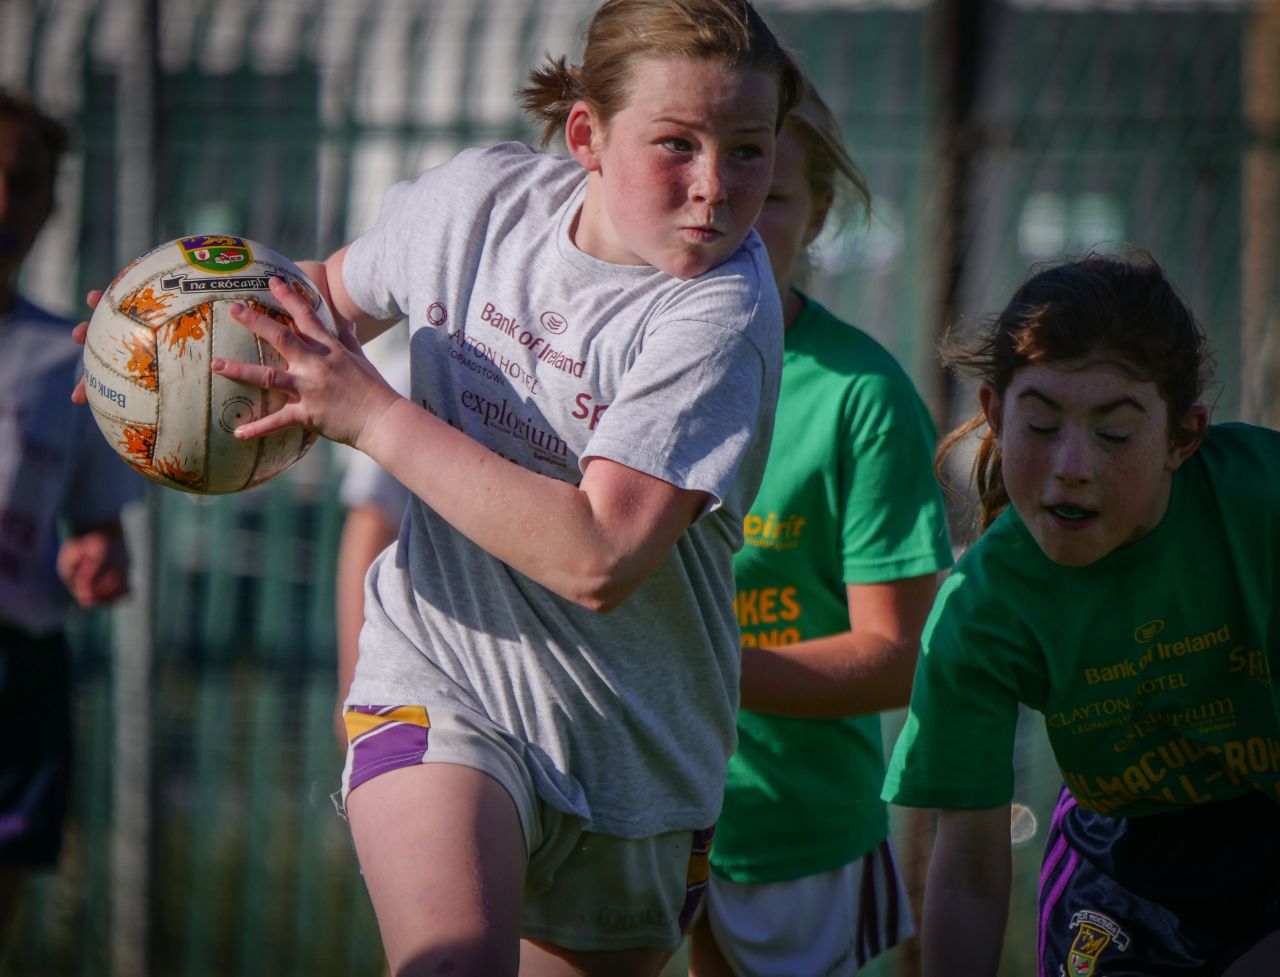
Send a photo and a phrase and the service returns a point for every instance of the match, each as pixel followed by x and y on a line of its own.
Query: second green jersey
pixel 849 497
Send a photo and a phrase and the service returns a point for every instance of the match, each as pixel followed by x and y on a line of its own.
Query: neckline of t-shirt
pixel 1125 557
pixel 579 259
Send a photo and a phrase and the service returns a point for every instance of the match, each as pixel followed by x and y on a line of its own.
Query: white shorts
pixel 583 890
pixel 826 925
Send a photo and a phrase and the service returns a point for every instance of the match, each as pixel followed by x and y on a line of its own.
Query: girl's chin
pixel 1072 551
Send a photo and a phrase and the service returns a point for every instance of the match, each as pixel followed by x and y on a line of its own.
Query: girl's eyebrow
pixel 749 126
pixel 1107 408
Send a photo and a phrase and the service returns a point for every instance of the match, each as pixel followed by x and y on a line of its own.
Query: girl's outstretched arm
pixel 966 897
pixel 592 543
pixel 866 669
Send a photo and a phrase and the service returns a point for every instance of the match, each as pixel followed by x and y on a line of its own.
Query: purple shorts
pixel 583 890
pixel 1183 894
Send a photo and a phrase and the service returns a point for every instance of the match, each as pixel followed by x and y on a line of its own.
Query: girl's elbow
pixel 900 694
pixel 603 597
pixel 599 604
pixel 602 589
pixel 904 676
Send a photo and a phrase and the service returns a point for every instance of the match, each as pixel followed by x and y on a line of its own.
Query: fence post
pixel 1260 322
pixel 133 637
pixel 959 37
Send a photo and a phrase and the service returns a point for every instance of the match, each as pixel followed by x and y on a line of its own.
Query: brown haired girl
pixel 543 703
pixel 1124 587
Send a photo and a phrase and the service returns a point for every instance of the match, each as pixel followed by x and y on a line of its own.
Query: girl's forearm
pixel 966 900
pixel 847 674
pixel 592 543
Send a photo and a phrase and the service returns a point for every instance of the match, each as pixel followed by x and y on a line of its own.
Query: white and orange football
pixel 146 364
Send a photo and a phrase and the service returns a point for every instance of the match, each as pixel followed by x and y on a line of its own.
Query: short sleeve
pixel 373 271
pixel 956 748
pixel 895 523
pixel 689 408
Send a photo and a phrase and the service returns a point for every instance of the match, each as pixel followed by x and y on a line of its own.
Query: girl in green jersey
pixel 1123 586
pixel 844 542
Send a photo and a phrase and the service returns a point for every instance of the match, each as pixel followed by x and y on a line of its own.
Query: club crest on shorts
pixel 1094 933
pixel 218 254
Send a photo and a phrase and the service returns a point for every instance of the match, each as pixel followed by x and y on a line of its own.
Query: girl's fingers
pixel 81 329
pixel 256 375
pixel 272 423
pixel 281 337
pixel 287 416
pixel 78 332
pixel 304 316
pixel 349 338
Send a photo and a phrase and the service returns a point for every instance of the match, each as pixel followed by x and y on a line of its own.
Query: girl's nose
pixel 708 185
pixel 1071 458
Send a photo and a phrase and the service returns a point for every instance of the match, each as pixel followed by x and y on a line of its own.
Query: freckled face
pixel 678 176
pixel 792 217
pixel 1086 455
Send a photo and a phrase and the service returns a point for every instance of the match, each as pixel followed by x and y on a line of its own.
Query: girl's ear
pixel 990 400
pixel 817 219
pixel 1187 435
pixel 583 134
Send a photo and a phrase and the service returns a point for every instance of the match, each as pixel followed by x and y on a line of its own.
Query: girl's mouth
pixel 702 233
pixel 1071 513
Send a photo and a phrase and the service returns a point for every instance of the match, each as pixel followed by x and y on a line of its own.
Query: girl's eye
pixel 677 145
pixel 747 152
pixel 1114 438
pixel 1042 429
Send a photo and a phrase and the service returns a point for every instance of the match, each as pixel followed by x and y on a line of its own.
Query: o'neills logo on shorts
pixel 1094 933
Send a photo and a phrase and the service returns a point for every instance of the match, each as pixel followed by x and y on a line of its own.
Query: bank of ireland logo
pixel 1147 632
pixel 1094 933
pixel 437 314
pixel 553 322
pixel 218 254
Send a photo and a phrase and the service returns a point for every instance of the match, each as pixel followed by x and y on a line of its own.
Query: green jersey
pixel 848 496
pixel 1152 667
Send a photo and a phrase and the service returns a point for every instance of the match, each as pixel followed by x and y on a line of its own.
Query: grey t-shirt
pixel 522 341
pixel 365 482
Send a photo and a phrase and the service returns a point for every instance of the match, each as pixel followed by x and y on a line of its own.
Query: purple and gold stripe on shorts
pixel 384 738
pixel 699 874
pixel 1058 866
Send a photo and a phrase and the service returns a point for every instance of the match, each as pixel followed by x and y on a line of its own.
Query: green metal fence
pixel 283 120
